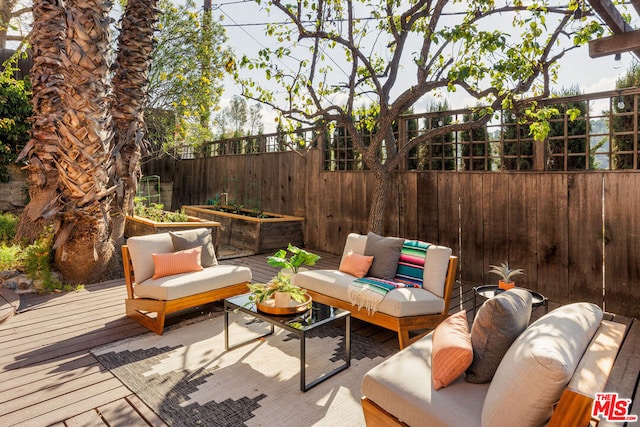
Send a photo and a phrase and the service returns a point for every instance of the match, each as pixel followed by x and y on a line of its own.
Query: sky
pixel 241 20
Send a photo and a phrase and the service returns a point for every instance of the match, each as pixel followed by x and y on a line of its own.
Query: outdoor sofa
pixel 403 309
pixel 164 276
pixel 565 355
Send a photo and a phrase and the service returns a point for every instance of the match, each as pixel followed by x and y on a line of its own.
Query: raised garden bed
pixel 245 230
pixel 139 226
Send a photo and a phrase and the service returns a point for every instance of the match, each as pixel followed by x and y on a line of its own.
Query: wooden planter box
pixel 259 235
pixel 139 226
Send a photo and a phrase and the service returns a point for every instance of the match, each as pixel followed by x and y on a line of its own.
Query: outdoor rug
pixel 188 378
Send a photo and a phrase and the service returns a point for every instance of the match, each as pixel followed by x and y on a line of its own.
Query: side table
pixel 490 291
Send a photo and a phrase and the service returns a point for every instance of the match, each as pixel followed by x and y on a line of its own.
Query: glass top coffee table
pixel 299 324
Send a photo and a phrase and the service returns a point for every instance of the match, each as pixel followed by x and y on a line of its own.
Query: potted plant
pixel 280 289
pixel 291 265
pixel 505 273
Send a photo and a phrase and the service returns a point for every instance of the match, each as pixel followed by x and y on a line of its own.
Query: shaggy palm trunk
pixel 130 83
pixel 47 40
pixel 84 161
pixel 70 159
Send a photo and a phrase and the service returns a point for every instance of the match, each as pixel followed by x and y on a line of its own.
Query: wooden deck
pixel 49 377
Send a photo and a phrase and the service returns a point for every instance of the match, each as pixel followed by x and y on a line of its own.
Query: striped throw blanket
pixel 368 292
pixel 411 263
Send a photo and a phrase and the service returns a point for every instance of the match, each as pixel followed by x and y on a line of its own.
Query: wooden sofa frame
pixel 576 402
pixel 401 325
pixel 140 309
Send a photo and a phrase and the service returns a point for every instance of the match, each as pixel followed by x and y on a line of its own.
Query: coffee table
pixel 490 291
pixel 298 324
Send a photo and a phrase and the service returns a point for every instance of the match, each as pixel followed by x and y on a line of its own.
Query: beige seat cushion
pixel 402 386
pixel 185 284
pixel 398 303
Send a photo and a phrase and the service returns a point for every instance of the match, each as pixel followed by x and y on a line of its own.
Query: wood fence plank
pixel 552 239
pixel 495 203
pixel 622 234
pixel 522 225
pixel 472 257
pixel 585 237
pixel 448 212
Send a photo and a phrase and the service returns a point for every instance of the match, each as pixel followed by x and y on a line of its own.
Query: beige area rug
pixel 188 378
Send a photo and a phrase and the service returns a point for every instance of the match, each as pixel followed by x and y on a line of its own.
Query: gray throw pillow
pixel 498 323
pixel 190 239
pixel 385 252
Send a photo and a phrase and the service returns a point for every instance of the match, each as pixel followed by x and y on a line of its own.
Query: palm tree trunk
pixel 130 83
pixel 47 40
pixel 69 155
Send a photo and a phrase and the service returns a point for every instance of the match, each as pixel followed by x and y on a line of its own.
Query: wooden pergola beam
pixel 614 20
pixel 618 43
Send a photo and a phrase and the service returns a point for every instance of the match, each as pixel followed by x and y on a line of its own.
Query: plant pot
pixel 282 299
pixel 506 285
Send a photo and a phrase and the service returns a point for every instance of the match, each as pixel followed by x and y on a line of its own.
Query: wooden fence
pixel 577 234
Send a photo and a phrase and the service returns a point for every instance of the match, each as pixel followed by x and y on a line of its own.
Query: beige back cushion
pixel 538 366
pixel 435 269
pixel 356 243
pixel 140 250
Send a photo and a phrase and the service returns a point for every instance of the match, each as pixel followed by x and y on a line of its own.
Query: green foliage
pixel 261 292
pixel 8 223
pixel 189 63
pixel 9 256
pixel 34 259
pixel 155 212
pixel 297 258
pixel 15 110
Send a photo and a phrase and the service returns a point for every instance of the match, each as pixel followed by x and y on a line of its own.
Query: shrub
pixel 15 110
pixel 8 223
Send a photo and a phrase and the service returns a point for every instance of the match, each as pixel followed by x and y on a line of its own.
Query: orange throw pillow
pixel 177 262
pixel 355 264
pixel 451 353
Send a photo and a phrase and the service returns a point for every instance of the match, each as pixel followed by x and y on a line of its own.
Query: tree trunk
pixel 379 202
pixel 85 156
pixel 69 153
pixel 130 83
pixel 47 40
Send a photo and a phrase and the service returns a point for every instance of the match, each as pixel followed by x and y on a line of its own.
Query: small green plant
pixel 298 258
pixel 8 256
pixel 261 292
pixel 8 223
pixel 505 272
pixel 155 212
pixel 214 201
pixel 36 259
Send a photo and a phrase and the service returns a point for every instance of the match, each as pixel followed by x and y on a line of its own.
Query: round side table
pixel 490 291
